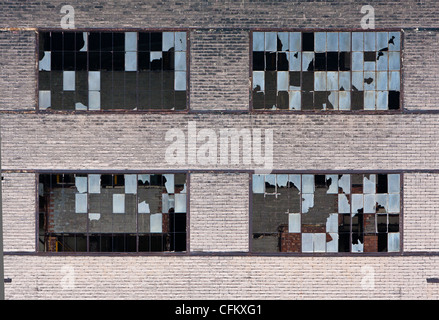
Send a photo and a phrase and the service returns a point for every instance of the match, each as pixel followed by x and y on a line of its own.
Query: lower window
pixel 112 212
pixel 326 213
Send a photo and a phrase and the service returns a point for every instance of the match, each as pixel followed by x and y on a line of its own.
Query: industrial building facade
pixel 220 150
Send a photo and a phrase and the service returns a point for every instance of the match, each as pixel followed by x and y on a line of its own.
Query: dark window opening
pixel 112 70
pixel 326 213
pixel 112 212
pixel 339 70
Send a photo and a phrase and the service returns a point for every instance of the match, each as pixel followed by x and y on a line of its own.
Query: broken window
pixel 326 70
pixel 326 212
pixel 112 70
pixel 112 212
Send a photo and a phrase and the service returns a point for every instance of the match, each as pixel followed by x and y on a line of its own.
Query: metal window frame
pixel 331 254
pixel 87 234
pixel 327 112
pixel 114 111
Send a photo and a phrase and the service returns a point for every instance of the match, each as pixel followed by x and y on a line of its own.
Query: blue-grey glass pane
pixel 45 62
pixel 283 38
pixel 382 40
pixel 382 100
pixel 332 41
pixel 169 184
pixel 85 38
pixel 369 100
pixel 394 183
pixel 394 41
pixel 258 41
pixel 308 183
pixel 369 203
pixel 118 203
pixel 357 41
pixel 81 203
pixel 271 41
pixel 180 41
pixel 270 179
pixel 294 61
pixel 180 202
pixel 393 242
pixel 320 41
pixel 180 81
pixel 394 61
pixel 307 58
pixel 369 66
pixel 320 81
pixel 307 242
pixel 358 80
pixel 345 41
pixel 333 99
pixel 369 80
pixel 94 183
pixel 94 100
pixel 259 80
pixel 69 80
pixel 344 100
pixel 258 182
pixel 343 204
pixel 130 183
pixel 130 61
pixel 180 61
pixel 94 80
pixel 383 61
pixel 395 81
pixel 357 61
pixel 332 80
pixel 155 223
pixel 294 225
pixel 357 203
pixel 295 41
pixel 295 100
pixel 81 184
pixel 282 80
pixel 369 41
pixel 155 55
pixel 167 41
pixel 344 80
pixel 44 99
pixel 382 78
pixel 130 41
pixel 394 203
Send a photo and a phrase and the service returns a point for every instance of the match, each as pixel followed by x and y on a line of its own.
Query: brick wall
pixel 18 204
pixel 219 216
pixel 137 141
pixel 421 223
pixel 221 277
pixel 219 80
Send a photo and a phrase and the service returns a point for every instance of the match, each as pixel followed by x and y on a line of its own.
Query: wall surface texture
pixel 218 264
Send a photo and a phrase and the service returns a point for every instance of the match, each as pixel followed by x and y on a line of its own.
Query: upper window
pixel 326 70
pixel 112 212
pixel 326 213
pixel 112 70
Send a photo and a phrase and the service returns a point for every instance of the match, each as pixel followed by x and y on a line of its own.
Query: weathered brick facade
pixel 218 264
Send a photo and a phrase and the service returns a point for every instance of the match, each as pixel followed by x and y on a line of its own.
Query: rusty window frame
pixel 349 253
pixel 320 111
pixel 87 234
pixel 117 30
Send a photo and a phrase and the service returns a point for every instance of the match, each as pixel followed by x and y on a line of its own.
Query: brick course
pixel 219 202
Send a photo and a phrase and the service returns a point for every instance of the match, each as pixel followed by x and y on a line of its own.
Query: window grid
pixel 112 212
pixel 316 213
pixel 317 61
pixel 105 70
